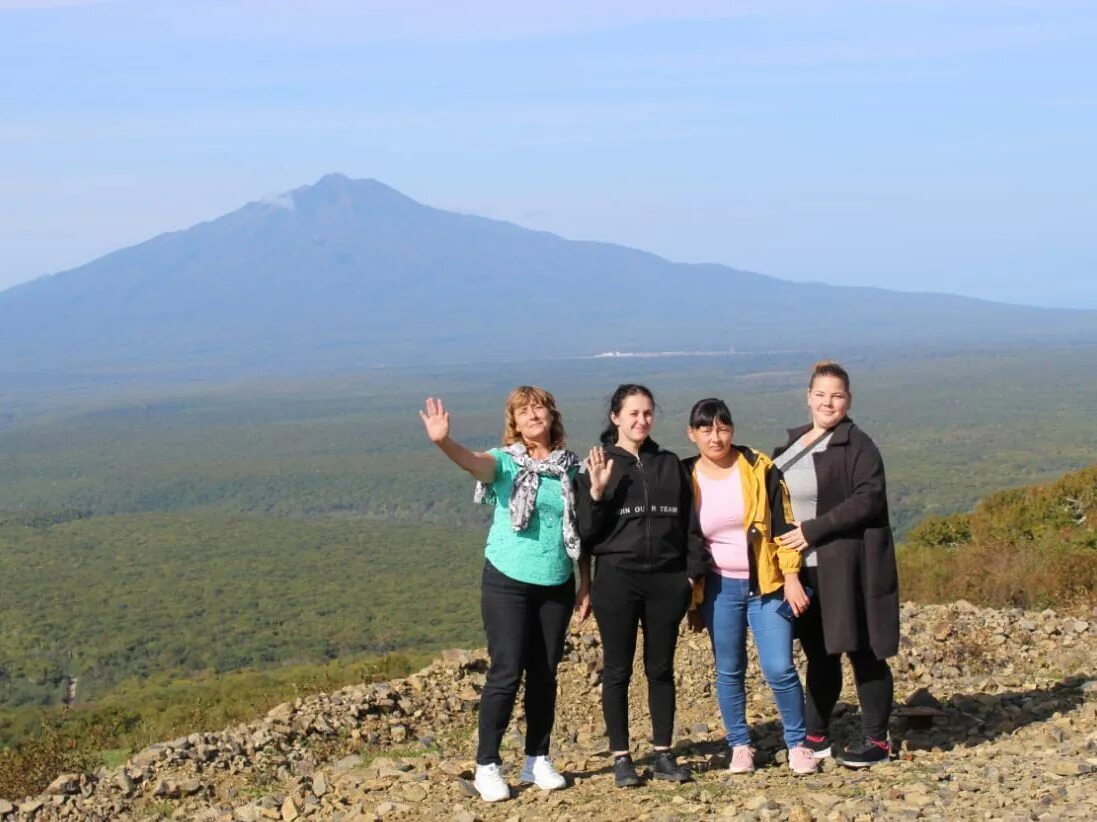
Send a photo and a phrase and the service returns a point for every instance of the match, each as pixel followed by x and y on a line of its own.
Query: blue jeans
pixel 727 610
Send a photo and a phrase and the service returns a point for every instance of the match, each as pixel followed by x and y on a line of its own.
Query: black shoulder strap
pixel 807 449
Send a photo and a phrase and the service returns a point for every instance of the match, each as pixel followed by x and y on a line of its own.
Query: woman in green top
pixel 528 588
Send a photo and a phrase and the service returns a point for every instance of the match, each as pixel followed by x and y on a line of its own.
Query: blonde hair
pixel 525 395
pixel 829 368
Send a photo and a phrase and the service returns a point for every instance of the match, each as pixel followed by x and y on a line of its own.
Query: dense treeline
pixel 952 430
pixel 102 599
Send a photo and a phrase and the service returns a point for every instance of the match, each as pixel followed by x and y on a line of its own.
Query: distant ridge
pixel 351 273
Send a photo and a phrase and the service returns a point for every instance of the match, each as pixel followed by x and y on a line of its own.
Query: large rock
pixel 66 783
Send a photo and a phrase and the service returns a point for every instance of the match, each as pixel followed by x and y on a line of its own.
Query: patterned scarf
pixel 523 493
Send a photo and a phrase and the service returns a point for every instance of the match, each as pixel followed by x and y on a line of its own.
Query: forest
pixel 156 541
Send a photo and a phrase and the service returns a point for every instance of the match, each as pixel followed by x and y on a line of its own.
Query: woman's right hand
pixel 795 595
pixel 599 468
pixel 435 419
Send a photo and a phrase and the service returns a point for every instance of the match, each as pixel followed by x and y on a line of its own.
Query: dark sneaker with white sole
pixel 818 744
pixel 872 752
pixel 624 772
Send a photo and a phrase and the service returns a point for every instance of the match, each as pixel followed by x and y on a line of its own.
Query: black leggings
pixel 526 627
pixel 622 600
pixel 875 686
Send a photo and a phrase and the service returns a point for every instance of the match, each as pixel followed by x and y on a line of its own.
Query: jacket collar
pixel 749 454
pixel 648 447
pixel 840 436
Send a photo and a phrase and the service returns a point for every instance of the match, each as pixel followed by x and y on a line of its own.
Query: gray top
pixel 803 487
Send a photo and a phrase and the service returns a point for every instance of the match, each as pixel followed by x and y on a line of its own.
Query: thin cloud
pixel 284 200
pixel 1070 102
pixel 34 5
pixel 353 21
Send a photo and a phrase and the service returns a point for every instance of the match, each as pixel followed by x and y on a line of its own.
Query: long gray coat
pixel 853 541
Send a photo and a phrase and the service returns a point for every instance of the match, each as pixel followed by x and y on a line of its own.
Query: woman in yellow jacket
pixel 741 507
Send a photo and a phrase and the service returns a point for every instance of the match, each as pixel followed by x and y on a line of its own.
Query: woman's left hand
pixel 695 621
pixel 794 539
pixel 795 595
pixel 582 602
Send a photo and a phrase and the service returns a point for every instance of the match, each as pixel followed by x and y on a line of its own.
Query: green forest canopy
pixel 212 528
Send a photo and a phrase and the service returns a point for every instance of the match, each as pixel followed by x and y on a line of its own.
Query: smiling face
pixel 531 417
pixel 713 441
pixel 532 422
pixel 828 401
pixel 634 420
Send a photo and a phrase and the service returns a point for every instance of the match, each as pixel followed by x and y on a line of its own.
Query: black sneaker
pixel 818 744
pixel 665 766
pixel 624 772
pixel 873 752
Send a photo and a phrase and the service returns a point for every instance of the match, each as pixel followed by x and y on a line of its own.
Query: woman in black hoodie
pixel 634 507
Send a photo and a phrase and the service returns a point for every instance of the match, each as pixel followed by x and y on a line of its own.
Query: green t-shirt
pixel 535 555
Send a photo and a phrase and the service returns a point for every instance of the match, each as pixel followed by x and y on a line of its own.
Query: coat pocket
pixel 881 575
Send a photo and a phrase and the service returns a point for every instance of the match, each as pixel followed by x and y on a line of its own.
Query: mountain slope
pixel 348 273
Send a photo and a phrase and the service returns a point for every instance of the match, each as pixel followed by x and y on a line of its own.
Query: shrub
pixel 1032 547
pixel 28 768
pixel 947 532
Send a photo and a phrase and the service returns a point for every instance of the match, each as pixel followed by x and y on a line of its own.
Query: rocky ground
pixel 1016 739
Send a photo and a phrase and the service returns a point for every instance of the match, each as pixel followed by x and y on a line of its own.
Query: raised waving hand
pixel 435 419
pixel 599 467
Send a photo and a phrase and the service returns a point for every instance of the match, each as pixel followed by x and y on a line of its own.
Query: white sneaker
pixel 541 772
pixel 490 783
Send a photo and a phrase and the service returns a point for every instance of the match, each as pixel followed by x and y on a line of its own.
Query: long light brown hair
pixel 525 395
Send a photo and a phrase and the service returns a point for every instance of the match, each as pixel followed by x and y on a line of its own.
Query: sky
pixel 922 145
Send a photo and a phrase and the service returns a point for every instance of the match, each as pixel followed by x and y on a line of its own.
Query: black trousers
pixel 875 686
pixel 526 627
pixel 621 600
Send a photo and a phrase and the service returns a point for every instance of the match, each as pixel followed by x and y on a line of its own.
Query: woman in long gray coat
pixel 835 477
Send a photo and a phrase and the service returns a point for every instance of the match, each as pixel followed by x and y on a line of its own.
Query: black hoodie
pixel 642 521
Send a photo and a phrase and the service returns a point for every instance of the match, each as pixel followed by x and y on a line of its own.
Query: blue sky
pixel 924 145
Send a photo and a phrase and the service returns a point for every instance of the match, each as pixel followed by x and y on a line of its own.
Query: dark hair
pixel 708 411
pixel 829 368
pixel 623 392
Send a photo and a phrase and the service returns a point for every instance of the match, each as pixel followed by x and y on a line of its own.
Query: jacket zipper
pixel 647 510
pixel 753 586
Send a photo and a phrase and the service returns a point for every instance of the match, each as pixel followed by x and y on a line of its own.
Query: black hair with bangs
pixel 707 412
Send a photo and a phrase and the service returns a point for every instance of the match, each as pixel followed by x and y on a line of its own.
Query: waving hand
pixel 600 468
pixel 435 419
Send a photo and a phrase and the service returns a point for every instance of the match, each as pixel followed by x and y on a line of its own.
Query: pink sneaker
pixel 742 759
pixel 802 761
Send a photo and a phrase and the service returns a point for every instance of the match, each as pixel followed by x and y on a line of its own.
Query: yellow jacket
pixel 767 514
